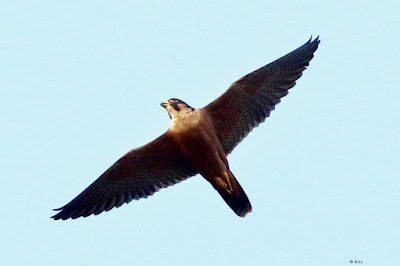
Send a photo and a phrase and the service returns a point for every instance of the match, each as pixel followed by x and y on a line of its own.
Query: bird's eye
pixel 175 105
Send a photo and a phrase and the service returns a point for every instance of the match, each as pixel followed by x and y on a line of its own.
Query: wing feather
pixel 249 100
pixel 138 174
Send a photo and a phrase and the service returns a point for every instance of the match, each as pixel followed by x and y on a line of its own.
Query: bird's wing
pixel 138 174
pixel 249 100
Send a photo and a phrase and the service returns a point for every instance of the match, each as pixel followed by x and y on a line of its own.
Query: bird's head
pixel 176 108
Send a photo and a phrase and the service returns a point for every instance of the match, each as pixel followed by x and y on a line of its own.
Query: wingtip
pixel 57 215
pixel 312 44
pixel 60 215
pixel 316 40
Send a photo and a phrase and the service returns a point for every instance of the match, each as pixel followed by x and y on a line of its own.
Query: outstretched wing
pixel 138 174
pixel 249 100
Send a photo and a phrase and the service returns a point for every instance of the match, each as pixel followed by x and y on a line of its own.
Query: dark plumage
pixel 197 141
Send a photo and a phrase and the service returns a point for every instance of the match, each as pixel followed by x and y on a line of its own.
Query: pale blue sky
pixel 81 84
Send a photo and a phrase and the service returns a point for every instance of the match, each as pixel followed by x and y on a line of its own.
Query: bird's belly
pixel 201 147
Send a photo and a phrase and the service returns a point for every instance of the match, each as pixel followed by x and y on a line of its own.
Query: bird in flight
pixel 196 142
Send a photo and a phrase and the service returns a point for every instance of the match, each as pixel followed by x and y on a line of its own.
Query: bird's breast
pixel 196 138
pixel 188 122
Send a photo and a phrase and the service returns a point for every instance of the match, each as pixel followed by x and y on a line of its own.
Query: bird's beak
pixel 164 104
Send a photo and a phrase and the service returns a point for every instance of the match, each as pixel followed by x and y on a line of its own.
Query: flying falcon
pixel 197 141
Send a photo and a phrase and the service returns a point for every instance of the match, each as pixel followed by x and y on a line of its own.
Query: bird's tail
pixel 233 194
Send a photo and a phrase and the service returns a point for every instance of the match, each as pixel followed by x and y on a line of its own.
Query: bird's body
pixel 197 141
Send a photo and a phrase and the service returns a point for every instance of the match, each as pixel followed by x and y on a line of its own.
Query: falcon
pixel 196 142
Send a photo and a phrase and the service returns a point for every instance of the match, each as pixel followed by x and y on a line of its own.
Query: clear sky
pixel 81 83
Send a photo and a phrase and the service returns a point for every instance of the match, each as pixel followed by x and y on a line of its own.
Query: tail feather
pixel 233 194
